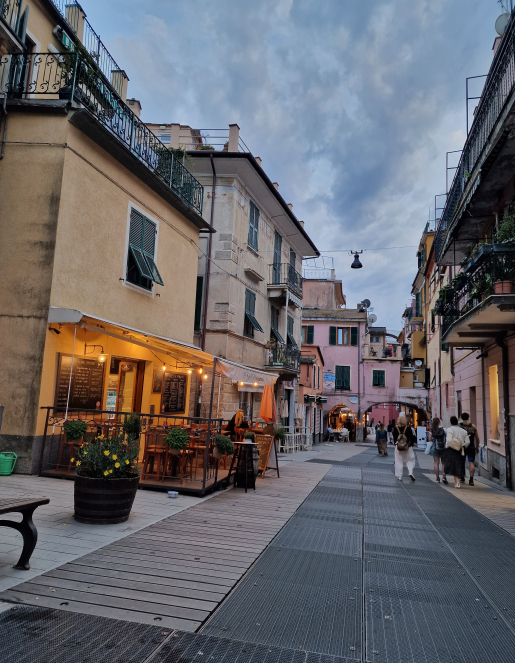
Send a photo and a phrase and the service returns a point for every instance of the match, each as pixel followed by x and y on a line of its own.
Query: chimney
pixel 119 80
pixel 276 186
pixel 175 138
pixel 301 224
pixel 290 207
pixel 135 106
pixel 258 159
pixel 234 137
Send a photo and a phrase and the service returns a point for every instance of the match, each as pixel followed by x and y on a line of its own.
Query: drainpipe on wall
pixel 4 136
pixel 501 342
pixel 208 261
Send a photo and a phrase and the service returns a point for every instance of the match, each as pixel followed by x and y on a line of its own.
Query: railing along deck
pixel 284 274
pixel 73 78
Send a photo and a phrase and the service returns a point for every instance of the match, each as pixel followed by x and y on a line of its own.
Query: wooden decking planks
pixel 176 571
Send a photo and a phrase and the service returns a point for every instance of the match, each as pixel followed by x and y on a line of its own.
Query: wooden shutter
pixel 309 335
pixel 253 226
pixel 198 301
pixel 338 370
pixel 346 377
pixel 354 336
pixel 332 335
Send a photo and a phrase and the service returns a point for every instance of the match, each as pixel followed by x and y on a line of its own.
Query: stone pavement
pixel 359 567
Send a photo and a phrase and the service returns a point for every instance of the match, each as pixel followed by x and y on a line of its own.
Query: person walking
pixel 455 443
pixel 438 441
pixel 382 440
pixel 404 441
pixel 389 430
pixel 472 447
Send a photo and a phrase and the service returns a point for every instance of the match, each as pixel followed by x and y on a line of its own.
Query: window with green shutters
pixel 274 331
pixel 290 339
pixel 141 267
pixel 250 323
pixel 332 335
pixel 253 240
pixel 354 336
pixel 342 378
pixel 378 378
pixel 307 334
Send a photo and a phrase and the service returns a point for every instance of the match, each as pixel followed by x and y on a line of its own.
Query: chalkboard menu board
pixel 174 393
pixel 86 385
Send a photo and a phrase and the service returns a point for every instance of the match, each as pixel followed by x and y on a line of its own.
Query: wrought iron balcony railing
pixel 10 12
pixel 283 356
pixel 498 88
pixel 284 274
pixel 490 272
pixel 72 77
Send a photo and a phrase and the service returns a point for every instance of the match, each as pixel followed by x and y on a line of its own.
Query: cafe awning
pixel 179 350
pixel 240 373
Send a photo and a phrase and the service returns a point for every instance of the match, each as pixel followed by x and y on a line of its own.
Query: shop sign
pixel 329 381
pixel 353 399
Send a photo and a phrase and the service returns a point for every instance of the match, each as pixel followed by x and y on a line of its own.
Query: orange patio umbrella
pixel 268 410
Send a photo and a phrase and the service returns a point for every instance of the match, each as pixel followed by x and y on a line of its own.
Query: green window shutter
pixel 346 377
pixel 198 301
pixel 338 372
pixel 332 335
pixel 253 227
pixel 142 245
pixel 309 335
pixel 378 379
pixel 354 336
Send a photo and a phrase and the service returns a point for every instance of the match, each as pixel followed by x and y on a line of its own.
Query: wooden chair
pixel 72 445
pixel 154 453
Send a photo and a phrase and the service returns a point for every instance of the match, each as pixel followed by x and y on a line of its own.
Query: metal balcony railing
pixel 10 12
pixel 498 87
pixel 490 272
pixel 284 274
pixel 71 77
pixel 283 355
pixel 208 139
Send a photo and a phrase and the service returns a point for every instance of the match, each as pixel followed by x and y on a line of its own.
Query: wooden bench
pixel 25 506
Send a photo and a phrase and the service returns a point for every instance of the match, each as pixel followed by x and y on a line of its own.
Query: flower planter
pixel 104 501
pixel 66 91
pixel 176 452
pixel 503 287
pixel 217 454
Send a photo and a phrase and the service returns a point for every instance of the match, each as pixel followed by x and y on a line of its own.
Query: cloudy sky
pixel 351 104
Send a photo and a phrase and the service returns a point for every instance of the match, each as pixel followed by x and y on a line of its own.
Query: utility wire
pixel 380 248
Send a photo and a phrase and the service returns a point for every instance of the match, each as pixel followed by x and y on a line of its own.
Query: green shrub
pixel 132 427
pixel 177 438
pixel 107 458
pixel 280 433
pixel 75 429
pixel 224 445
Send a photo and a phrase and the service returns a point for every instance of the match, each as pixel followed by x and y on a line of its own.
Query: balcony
pixel 487 160
pixel 78 80
pixel 283 276
pixel 10 18
pixel 283 358
pixel 481 303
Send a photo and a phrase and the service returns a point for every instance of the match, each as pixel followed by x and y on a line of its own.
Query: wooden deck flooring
pixel 175 572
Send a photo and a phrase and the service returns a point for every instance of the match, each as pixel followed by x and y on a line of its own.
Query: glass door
pixel 127 375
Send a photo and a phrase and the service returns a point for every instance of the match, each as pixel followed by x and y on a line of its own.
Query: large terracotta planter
pixel 503 287
pixel 104 501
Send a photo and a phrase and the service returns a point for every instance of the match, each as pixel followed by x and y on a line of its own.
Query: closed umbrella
pixel 268 411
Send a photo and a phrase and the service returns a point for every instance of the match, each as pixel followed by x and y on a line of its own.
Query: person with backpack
pixel 455 443
pixel 404 441
pixel 472 447
pixel 382 440
pixel 438 448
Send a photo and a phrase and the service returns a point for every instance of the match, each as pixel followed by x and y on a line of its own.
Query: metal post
pixel 208 434
pixel 43 443
pixel 74 77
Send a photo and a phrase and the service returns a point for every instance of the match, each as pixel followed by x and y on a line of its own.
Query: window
pixel 198 301
pixel 141 268
pixel 378 379
pixel 306 335
pixel 340 335
pixel 375 339
pixel 318 377
pixel 354 336
pixel 165 137
pixel 493 380
pixel 246 403
pixel 314 376
pixel 274 327
pixel 342 375
pixel 278 248
pixel 250 323
pixel 290 340
pixel 253 227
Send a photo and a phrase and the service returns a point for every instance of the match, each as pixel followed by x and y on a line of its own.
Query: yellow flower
pixel 72 460
pixel 78 463
pixel 106 452
pixel 126 462
pixel 117 465
pixel 110 471
pixel 85 453
pixel 115 457
pixel 106 473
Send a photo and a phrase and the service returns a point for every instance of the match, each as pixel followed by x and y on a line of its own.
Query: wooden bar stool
pixel 154 454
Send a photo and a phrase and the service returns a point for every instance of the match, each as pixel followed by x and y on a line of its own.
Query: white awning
pixel 240 373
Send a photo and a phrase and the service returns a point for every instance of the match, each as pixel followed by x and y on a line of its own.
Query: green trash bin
pixel 7 462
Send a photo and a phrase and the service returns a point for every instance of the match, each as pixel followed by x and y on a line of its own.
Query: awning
pixel 173 348
pixel 240 373
pixel 255 324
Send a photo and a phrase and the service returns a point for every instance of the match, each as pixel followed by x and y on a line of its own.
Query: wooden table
pixel 25 506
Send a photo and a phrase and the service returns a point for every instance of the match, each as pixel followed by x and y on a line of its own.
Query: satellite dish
pixel 501 23
pixel 372 319
pixel 366 303
pixel 418 362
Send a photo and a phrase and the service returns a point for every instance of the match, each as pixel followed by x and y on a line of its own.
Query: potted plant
pixel 280 433
pixel 132 427
pixel 106 480
pixel 75 429
pixel 177 440
pixel 249 436
pixel 223 446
